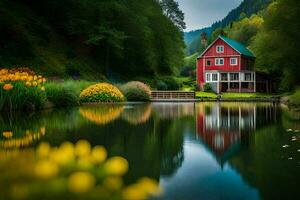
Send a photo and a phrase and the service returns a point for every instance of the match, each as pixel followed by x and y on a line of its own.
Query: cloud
pixel 202 13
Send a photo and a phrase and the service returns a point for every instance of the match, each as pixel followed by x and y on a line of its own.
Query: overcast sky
pixel 202 13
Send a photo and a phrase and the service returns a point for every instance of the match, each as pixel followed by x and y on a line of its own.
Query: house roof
pixel 240 48
pixel 237 46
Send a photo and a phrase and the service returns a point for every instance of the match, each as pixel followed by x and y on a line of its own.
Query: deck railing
pixel 172 95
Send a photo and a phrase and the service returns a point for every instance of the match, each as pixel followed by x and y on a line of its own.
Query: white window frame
pixel 220 48
pixel 235 63
pixel 212 76
pixel 208 77
pixel 218 61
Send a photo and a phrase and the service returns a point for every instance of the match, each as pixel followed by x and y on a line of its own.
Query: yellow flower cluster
pixel 29 138
pixel 29 78
pixel 102 115
pixel 78 169
pixel 101 92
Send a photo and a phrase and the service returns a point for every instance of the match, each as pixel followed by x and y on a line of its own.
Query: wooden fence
pixel 155 95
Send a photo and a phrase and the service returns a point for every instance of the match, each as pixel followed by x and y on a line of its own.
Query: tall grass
pixel 65 94
pixel 21 98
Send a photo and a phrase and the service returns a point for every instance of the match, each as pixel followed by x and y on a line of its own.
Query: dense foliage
pixel 101 92
pixel 136 91
pixel 117 38
pixel 277 43
pixel 167 83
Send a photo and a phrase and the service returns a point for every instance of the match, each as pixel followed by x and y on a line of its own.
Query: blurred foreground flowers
pixel 69 172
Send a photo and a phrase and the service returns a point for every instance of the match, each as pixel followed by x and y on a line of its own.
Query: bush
pixel 168 83
pixel 21 89
pixel 101 92
pixel 136 91
pixel 207 88
pixel 161 85
pixel 61 96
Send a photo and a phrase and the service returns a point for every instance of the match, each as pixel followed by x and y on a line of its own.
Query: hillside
pixel 92 39
pixel 246 8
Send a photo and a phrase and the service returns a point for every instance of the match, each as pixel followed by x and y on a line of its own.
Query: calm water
pixel 195 151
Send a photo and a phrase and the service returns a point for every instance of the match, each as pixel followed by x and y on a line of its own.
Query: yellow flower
pixel 134 192
pixel 63 155
pixel 82 148
pixel 7 134
pixel 34 83
pixel 43 150
pixel 46 169
pixel 99 154
pixel 116 166
pixel 150 186
pixel 28 83
pixel 43 88
pixel 113 183
pixel 81 182
pixel 8 86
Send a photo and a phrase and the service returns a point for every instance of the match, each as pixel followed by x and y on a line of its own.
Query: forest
pixel 92 38
pixel 271 34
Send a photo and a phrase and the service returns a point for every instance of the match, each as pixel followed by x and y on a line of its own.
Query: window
pixel 219 61
pixel 208 77
pixel 234 76
pixel 248 76
pixel 220 49
pixel 208 62
pixel 224 77
pixel 214 77
pixel 233 61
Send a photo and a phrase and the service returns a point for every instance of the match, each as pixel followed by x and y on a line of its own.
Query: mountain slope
pixel 247 7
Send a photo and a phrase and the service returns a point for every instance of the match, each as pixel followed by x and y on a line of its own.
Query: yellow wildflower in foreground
pixel 99 154
pixel 144 188
pixel 46 169
pixel 8 86
pixel 116 166
pixel 81 182
pixel 7 134
pixel 82 148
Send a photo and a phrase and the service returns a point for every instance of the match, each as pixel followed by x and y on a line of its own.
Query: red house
pixel 227 66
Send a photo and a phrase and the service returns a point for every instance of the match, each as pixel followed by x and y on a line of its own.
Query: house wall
pixel 211 54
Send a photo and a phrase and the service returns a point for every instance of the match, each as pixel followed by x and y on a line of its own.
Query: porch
pixel 236 82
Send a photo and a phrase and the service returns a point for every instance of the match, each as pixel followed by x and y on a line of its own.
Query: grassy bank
pixel 234 96
pixel 293 100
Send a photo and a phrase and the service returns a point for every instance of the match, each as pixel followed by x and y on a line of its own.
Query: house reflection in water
pixel 224 127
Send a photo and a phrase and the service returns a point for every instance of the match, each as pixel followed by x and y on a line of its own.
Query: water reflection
pixel 223 127
pixel 196 151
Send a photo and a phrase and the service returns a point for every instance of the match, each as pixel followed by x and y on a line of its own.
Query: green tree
pixel 172 11
pixel 276 45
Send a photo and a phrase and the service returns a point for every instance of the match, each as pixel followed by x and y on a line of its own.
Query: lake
pixel 194 150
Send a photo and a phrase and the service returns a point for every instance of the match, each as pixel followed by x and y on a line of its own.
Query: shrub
pixel 207 88
pixel 136 91
pixel 21 89
pixel 161 85
pixel 60 95
pixel 168 83
pixel 101 92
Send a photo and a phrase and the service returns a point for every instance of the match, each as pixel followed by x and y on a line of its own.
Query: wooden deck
pixel 172 96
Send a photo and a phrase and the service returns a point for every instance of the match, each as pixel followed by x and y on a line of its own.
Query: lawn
pixel 206 95
pixel 245 95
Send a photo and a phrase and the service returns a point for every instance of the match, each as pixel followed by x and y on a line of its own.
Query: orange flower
pixel 8 86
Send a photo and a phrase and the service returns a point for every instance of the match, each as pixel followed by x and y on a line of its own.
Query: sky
pixel 202 13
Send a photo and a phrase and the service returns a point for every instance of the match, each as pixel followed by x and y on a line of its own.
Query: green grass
pixel 64 94
pixel 294 99
pixel 206 95
pixel 245 95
